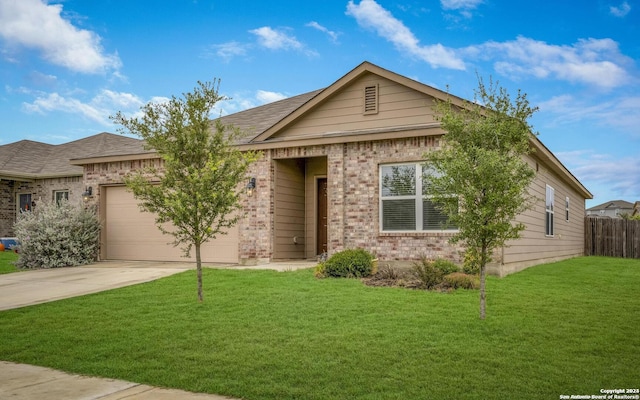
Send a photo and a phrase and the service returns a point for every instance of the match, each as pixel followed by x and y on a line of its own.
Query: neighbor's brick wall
pixel 41 191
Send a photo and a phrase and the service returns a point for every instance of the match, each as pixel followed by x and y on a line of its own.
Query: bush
pixel 426 272
pixel 355 263
pixel 471 263
pixel 57 235
pixel 431 273
pixel 460 280
pixel 447 267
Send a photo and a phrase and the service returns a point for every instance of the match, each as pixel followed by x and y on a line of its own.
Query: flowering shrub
pixel 57 235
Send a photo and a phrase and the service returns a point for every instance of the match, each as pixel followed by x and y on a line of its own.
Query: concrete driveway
pixel 26 288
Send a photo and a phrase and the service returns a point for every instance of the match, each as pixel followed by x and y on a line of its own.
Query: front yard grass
pixel 564 328
pixel 6 262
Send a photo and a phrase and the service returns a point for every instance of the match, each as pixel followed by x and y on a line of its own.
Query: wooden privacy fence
pixel 613 237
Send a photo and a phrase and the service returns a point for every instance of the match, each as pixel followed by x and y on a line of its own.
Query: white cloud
pixel 229 50
pixel 243 101
pixel 265 97
pixel 596 62
pixel 279 40
pixel 460 4
pixel 370 14
pixel 37 25
pixel 98 109
pixel 604 174
pixel 620 11
pixel 620 112
pixel 333 35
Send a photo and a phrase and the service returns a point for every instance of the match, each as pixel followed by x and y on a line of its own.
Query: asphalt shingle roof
pixel 29 158
pixel 255 121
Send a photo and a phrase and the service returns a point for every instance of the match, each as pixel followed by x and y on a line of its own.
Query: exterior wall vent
pixel 371 99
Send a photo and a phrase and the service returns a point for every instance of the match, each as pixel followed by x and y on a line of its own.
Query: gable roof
pixel 263 124
pixel 28 160
pixel 612 205
pixel 362 69
pixel 255 121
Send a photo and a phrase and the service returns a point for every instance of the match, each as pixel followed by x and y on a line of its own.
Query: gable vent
pixel 371 99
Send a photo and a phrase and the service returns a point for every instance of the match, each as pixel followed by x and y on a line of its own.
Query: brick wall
pixel 353 202
pixel 353 199
pixel 41 191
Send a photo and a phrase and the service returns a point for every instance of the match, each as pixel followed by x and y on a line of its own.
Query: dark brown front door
pixel 321 234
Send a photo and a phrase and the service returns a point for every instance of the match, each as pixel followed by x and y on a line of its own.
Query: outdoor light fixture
pixel 251 185
pixel 87 193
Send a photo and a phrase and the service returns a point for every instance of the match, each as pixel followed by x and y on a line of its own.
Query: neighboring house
pixel 341 168
pixel 636 209
pixel 34 173
pixel 611 209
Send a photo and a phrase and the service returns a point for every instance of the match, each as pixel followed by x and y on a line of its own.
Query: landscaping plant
pixel 351 263
pixel 480 176
pixel 56 235
pixel 198 188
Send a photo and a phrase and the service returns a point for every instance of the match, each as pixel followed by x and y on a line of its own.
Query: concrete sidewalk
pixel 28 382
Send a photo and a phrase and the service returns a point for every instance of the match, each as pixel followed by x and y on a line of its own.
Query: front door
pixel 321 221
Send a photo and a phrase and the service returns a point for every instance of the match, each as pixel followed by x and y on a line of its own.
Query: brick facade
pixel 42 192
pixel 353 199
pixel 353 202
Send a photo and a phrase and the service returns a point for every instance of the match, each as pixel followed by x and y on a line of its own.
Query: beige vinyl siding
pixel 130 234
pixel 315 168
pixel 289 209
pixel 398 106
pixel 535 247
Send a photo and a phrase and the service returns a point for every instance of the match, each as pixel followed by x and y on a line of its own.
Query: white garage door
pixel 132 234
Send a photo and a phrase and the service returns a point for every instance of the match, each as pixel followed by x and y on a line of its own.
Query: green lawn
pixel 6 262
pixel 565 328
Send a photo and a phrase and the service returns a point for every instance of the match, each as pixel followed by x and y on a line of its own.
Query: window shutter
pixel 371 99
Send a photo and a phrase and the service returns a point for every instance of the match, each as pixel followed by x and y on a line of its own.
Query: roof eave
pixel 115 158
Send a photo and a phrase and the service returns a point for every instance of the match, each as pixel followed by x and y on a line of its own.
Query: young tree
pixel 196 189
pixel 480 177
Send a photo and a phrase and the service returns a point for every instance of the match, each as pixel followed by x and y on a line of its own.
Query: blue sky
pixel 65 66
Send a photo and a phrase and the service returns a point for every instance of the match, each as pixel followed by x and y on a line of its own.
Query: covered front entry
pixel 300 208
pixel 130 234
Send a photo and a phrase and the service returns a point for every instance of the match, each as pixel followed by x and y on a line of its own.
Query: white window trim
pixel 55 194
pixel 566 208
pixel 418 197
pixel 549 211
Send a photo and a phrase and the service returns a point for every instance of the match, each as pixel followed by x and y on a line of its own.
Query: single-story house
pixel 34 173
pixel 611 209
pixel 319 186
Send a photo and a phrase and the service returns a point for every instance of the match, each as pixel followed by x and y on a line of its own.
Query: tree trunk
pixel 483 278
pixel 483 296
pixel 199 272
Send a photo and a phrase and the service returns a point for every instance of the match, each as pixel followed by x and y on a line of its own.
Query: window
pixel 24 202
pixel 60 195
pixel 549 206
pixel 566 208
pixel 405 203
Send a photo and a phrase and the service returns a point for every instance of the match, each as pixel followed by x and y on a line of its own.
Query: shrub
pixel 471 263
pixel 431 273
pixel 353 263
pixel 426 272
pixel 460 280
pixel 57 235
pixel 447 267
pixel 319 271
